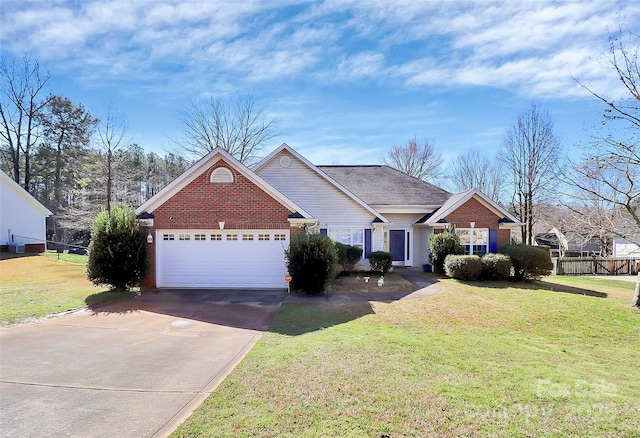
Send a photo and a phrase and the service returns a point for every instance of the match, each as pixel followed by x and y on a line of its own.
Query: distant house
pixel 22 219
pixel 625 248
pixel 224 225
pixel 569 244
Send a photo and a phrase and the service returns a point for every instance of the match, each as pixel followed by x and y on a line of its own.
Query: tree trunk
pixel 57 182
pixel 635 301
pixel 109 180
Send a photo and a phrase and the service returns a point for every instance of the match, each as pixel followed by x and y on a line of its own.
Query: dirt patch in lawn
pixel 367 283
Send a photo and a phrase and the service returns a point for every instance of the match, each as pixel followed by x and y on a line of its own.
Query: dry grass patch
pixel 355 284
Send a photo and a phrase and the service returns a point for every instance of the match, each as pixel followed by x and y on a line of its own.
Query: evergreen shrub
pixel 118 249
pixel 381 261
pixel 440 246
pixel 495 267
pixel 463 267
pixel 529 262
pixel 310 261
pixel 348 256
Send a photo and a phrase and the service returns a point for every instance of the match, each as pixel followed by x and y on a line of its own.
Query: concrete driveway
pixel 134 369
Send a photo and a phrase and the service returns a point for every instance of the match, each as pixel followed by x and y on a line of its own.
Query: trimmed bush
pixel 529 262
pixel 380 261
pixel 440 246
pixel 495 267
pixel 463 267
pixel 348 256
pixel 310 261
pixel 118 249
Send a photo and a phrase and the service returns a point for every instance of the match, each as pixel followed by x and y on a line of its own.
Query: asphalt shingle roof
pixel 383 185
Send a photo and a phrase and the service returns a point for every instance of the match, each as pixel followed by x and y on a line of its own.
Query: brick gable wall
pixel 201 205
pixel 474 211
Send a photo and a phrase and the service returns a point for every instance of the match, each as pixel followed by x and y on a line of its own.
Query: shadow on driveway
pixel 247 309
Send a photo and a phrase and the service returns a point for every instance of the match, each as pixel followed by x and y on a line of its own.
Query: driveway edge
pixel 194 402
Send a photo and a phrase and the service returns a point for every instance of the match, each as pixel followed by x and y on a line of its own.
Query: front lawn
pixel 32 286
pixel 494 359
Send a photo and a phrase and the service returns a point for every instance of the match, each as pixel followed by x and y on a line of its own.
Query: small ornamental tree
pixel 310 261
pixel 440 246
pixel 117 252
pixel 348 256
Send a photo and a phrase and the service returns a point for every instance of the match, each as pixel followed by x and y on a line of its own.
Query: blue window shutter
pixel 493 240
pixel 367 243
pixel 323 231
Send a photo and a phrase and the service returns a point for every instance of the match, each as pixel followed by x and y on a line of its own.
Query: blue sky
pixel 344 80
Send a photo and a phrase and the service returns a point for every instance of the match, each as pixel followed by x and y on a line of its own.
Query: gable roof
pixel 321 173
pixel 383 185
pixel 6 181
pixel 455 201
pixel 203 165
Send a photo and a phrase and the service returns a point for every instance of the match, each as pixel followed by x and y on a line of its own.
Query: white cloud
pixel 366 64
pixel 532 48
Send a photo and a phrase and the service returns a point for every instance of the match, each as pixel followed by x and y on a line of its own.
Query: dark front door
pixel 396 245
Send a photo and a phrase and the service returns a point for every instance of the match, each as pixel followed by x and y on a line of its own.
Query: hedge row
pixel 525 262
pixel 472 267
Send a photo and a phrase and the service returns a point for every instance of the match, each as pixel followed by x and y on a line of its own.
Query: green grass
pixel 33 286
pixel 495 359
pixel 73 258
pixel 612 287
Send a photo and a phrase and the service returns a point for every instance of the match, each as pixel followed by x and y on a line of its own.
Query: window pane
pixel 464 236
pixel 345 236
pixel 481 237
pixel 358 236
pixel 479 249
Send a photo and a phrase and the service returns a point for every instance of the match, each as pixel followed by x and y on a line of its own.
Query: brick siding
pixel 28 247
pixel 474 211
pixel 201 205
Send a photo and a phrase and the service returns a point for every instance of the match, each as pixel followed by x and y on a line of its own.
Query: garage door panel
pixel 248 259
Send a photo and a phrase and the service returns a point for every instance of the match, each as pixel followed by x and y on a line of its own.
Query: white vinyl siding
pixel 421 238
pixel 316 195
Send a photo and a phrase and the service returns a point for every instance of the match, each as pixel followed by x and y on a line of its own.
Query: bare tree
pixel 236 125
pixel 477 170
pixel 608 173
pixel 111 134
pixel 20 106
pixel 531 153
pixel 417 158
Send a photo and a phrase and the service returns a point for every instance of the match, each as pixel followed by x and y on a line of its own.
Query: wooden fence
pixel 596 266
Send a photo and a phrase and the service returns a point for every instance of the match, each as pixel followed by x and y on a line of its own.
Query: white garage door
pixel 221 259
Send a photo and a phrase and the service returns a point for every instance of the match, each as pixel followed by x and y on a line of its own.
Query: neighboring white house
pixel 22 218
pixel 625 248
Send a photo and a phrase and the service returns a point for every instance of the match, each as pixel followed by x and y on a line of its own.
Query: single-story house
pixel 222 224
pixel 23 225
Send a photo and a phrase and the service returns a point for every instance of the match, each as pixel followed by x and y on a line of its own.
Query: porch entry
pixel 400 247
